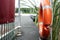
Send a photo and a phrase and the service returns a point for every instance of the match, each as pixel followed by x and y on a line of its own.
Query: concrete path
pixel 29 29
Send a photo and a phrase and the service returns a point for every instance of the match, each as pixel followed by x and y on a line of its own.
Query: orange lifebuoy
pixel 44 31
pixel 46 2
pixel 44 19
pixel 47 16
pixel 40 15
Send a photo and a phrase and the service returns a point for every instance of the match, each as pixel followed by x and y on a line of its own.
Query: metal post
pixel 19 10
pixel 19 18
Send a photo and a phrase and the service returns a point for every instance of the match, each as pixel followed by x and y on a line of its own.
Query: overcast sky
pixel 37 2
pixel 16 3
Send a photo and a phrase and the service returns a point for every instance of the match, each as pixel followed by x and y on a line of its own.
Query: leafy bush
pixel 56 20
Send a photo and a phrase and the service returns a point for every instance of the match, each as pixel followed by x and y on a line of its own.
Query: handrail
pixel 9 32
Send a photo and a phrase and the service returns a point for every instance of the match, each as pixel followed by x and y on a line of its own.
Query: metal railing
pixel 7 31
